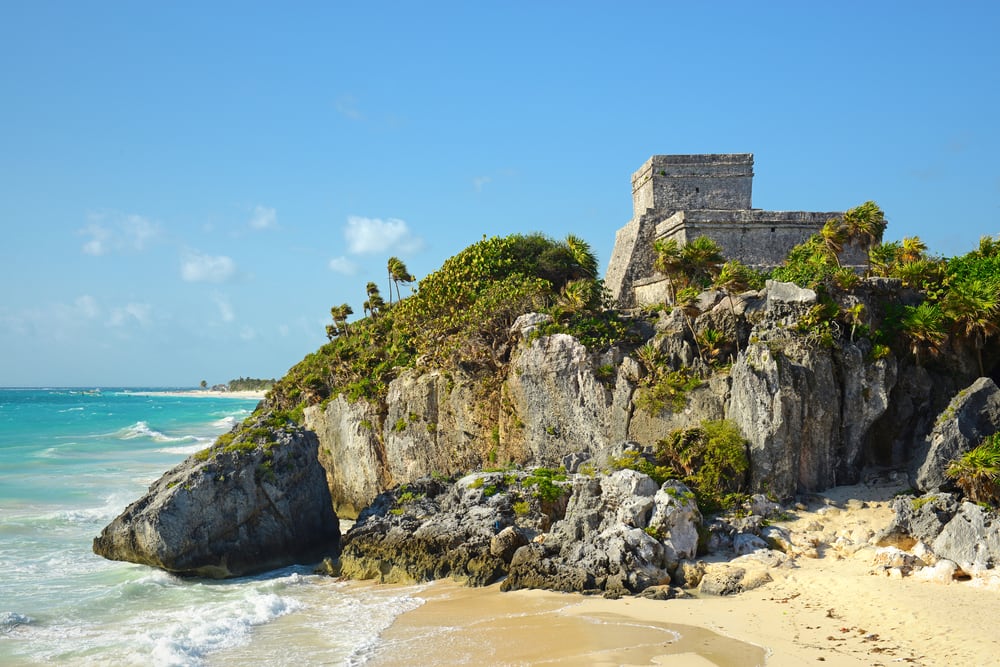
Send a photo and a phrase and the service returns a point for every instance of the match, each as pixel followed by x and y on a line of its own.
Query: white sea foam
pixel 10 620
pixel 225 422
pixel 141 429
pixel 185 638
pixel 113 504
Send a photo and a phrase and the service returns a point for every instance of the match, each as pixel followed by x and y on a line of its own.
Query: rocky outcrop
pixel 617 534
pixel 557 405
pixel 259 503
pixel 622 533
pixel 468 530
pixel 961 532
pixel 429 425
pixel 806 401
pixel 814 405
pixel 971 416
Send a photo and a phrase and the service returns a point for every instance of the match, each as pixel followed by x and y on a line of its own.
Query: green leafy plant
pixel 977 472
pixel 710 458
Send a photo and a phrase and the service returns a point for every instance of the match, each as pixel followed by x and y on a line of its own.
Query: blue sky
pixel 186 188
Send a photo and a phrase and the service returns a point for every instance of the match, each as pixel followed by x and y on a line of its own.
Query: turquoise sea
pixel 70 461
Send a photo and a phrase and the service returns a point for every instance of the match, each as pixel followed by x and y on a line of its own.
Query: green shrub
pixel 977 472
pixel 711 459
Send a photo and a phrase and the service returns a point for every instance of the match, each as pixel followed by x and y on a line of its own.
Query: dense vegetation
pixel 460 314
pixel 251 384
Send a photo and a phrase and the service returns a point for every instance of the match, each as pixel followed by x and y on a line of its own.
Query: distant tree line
pixel 251 384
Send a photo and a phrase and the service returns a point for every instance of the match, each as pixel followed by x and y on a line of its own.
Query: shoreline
pixel 835 608
pixel 202 393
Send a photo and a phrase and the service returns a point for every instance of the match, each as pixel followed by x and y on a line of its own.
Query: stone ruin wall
pixel 687 182
pixel 685 196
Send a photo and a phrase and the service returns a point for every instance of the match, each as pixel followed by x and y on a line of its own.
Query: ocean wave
pixel 226 422
pixel 198 631
pixel 113 505
pixel 10 620
pixel 142 429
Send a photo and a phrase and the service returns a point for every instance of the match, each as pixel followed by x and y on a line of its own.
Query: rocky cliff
pixel 814 403
pixel 813 409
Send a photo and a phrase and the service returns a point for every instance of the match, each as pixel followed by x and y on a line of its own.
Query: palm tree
pixel 397 274
pixel 339 314
pixel 912 249
pixel 865 223
pixel 974 305
pixel 700 260
pixel 686 299
pixel 584 257
pixel 374 303
pixel 668 262
pixel 833 235
pixel 883 258
pixel 925 327
pixel 734 276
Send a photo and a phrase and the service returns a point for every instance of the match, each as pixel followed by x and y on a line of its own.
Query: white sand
pixel 206 393
pixel 830 609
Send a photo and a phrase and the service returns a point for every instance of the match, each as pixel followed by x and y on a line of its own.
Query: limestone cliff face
pixel 810 409
pixel 432 423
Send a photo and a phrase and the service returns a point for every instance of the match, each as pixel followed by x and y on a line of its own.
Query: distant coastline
pixel 203 393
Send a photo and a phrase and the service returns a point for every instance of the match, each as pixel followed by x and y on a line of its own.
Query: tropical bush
pixel 711 458
pixel 977 472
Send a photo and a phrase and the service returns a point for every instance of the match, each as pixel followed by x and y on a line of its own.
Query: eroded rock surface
pixel 252 509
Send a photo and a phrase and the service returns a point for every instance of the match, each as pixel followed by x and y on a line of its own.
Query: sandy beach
pixel 206 393
pixel 835 608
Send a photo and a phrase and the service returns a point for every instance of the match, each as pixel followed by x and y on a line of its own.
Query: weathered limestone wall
pixel 676 182
pixel 755 237
pixel 683 197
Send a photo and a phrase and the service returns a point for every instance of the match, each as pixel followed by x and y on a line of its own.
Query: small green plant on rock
pixel 977 472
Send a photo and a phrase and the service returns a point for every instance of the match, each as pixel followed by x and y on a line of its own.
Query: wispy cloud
pixel 347 106
pixel 264 217
pixel 137 313
pixel 226 312
pixel 200 268
pixel 343 265
pixel 118 233
pixel 366 236
pixel 479 182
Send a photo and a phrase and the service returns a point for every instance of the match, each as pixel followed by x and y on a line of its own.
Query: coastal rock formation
pixel 962 532
pixel 468 530
pixel 617 534
pixel 972 415
pixel 257 503
pixel 814 404
pixel 622 533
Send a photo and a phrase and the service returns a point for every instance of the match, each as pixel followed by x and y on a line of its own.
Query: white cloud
pixel 139 313
pixel 86 307
pixel 343 265
pixel 248 333
pixel 264 217
pixel 480 181
pixel 199 268
pixel 347 106
pixel 226 312
pixel 367 236
pixel 118 233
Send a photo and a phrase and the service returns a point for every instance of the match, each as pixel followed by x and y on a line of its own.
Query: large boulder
pixel 971 416
pixel 254 502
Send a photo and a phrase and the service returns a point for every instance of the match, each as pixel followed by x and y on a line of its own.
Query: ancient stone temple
pixel 686 196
